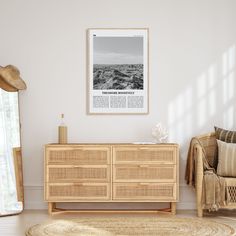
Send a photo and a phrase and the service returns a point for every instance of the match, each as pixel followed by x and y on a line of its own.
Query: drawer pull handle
pixel 77 167
pixel 144 184
pixel 78 184
pixel 143 166
pixel 144 148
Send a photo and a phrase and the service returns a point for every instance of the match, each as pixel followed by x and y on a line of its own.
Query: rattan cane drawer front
pixel 111 173
pixel 144 191
pixel 144 173
pixel 78 191
pixel 80 173
pixel 152 155
pixel 81 155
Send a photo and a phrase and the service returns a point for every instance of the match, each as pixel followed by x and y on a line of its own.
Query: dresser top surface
pixel 113 144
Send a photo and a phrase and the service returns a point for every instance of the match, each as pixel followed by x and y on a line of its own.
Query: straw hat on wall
pixel 10 79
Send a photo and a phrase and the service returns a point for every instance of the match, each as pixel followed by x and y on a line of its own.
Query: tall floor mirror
pixel 11 177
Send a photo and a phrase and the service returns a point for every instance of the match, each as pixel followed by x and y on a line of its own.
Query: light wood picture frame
pixel 117 71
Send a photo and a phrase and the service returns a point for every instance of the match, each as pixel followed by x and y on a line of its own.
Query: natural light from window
pixel 207 101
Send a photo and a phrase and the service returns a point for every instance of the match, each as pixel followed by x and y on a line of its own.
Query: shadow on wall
pixel 209 101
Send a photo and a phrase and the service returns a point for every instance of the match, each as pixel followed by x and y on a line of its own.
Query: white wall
pixel 192 73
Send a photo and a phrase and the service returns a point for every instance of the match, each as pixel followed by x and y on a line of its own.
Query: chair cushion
pixel 228 136
pixel 226 159
pixel 224 135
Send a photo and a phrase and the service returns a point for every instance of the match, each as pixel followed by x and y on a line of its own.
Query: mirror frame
pixel 18 166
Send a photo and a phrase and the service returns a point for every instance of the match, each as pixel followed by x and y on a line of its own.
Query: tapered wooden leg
pixel 173 207
pixel 199 180
pixel 199 195
pixel 51 206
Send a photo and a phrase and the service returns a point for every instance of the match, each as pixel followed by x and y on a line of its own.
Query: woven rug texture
pixel 135 226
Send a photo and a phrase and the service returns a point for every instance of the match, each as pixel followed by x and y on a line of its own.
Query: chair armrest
pixel 199 161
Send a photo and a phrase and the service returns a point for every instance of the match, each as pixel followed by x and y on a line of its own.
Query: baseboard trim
pixel 35 205
pixel 186 206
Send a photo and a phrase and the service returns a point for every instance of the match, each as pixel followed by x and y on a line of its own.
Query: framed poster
pixel 118 71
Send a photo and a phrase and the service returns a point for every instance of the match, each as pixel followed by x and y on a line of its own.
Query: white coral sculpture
pixel 159 133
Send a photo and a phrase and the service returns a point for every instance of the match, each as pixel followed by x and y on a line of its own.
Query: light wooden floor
pixel 17 225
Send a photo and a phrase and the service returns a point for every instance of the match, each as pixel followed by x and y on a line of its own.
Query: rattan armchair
pixel 208 147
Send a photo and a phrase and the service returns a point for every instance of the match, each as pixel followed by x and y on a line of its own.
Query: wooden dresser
pixel 111 173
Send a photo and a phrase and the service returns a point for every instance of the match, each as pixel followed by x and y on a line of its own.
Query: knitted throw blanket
pixel 213 186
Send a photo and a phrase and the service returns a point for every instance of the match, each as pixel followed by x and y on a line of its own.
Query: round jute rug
pixel 125 226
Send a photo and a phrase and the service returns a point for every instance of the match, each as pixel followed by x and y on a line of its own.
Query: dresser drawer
pixel 80 155
pixel 148 155
pixel 78 173
pixel 144 173
pixel 144 191
pixel 77 191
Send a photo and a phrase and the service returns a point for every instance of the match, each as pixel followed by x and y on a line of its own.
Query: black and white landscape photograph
pixel 118 71
pixel 118 63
